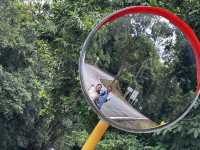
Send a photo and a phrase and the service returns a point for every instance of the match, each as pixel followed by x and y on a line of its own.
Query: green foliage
pixel 117 141
pixel 75 140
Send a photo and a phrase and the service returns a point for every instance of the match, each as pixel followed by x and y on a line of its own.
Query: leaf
pixel 153 2
pixel 196 133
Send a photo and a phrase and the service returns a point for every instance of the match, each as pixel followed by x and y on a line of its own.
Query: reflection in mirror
pixel 139 71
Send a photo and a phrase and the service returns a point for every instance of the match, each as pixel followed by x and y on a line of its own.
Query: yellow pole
pixel 96 135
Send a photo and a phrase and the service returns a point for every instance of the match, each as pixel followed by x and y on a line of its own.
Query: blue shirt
pixel 102 98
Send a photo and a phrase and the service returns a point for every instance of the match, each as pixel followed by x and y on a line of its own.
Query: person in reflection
pixel 104 96
pixel 94 91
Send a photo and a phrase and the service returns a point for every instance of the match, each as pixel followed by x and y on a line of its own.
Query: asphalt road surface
pixel 117 109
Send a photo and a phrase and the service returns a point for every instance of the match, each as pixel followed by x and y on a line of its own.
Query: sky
pixel 38 1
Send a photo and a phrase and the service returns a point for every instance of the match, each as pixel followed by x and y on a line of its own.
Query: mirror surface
pixel 139 72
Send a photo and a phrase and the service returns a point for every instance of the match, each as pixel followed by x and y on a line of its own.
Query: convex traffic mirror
pixel 138 69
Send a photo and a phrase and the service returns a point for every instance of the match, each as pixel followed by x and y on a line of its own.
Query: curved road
pixel 117 108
